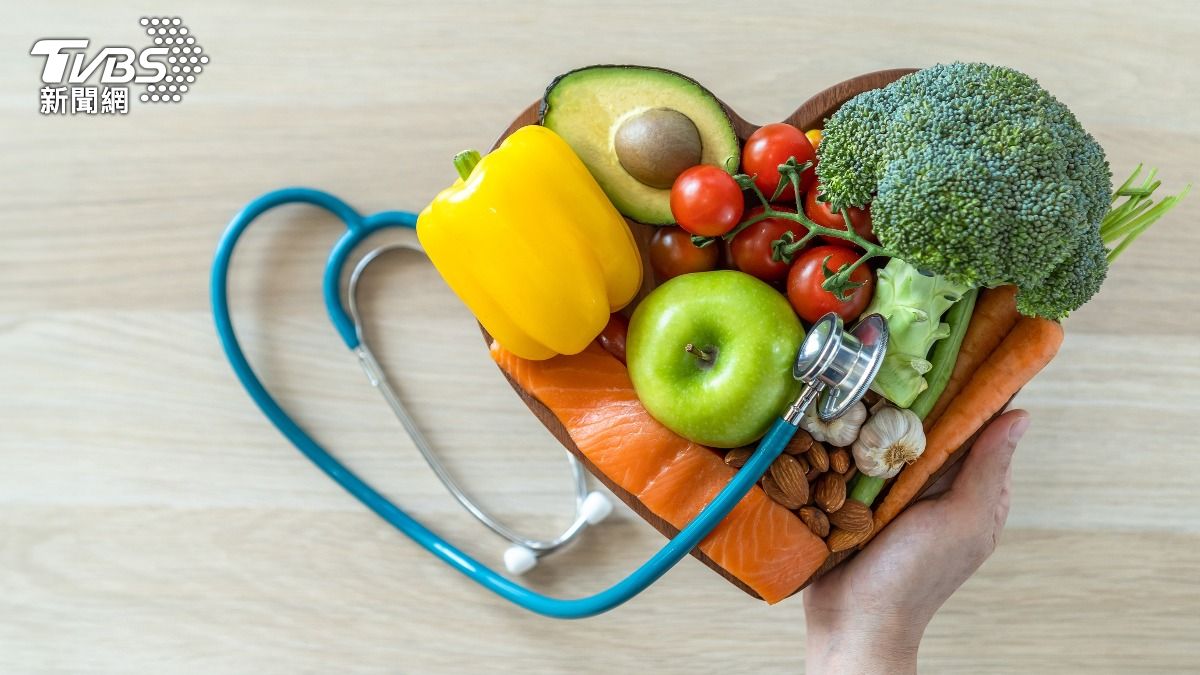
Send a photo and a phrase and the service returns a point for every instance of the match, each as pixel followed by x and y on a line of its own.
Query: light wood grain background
pixel 152 521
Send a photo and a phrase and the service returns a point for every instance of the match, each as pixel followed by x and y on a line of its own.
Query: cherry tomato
pixel 771 146
pixel 672 253
pixel 612 338
pixel 820 213
pixel 706 201
pixel 752 249
pixel 804 282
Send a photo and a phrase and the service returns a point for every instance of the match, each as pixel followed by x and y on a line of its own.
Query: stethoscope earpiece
pixel 518 560
pixel 596 508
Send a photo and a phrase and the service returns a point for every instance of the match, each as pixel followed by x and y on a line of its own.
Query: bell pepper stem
pixel 465 161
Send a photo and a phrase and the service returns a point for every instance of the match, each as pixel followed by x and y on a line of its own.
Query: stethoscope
pixel 523 552
pixel 834 364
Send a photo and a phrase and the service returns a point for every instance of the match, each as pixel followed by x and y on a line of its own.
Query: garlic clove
pixel 839 432
pixel 891 439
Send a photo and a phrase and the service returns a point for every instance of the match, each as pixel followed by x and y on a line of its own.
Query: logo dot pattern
pixel 185 58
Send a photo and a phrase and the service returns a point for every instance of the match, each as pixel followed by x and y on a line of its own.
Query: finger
pixel 943 483
pixel 983 479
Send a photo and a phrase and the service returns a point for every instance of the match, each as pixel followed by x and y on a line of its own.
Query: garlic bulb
pixel 892 438
pixel 839 432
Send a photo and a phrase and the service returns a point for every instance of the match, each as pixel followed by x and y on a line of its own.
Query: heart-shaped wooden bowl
pixel 810 115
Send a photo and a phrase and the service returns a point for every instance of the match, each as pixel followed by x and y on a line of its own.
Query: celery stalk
pixel 866 488
pixel 945 354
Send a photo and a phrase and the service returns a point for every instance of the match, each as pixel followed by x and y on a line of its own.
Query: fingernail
pixel 1017 429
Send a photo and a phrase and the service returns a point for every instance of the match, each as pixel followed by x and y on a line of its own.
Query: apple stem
pixel 702 354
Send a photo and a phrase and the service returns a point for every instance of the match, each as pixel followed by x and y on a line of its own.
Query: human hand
pixel 868 615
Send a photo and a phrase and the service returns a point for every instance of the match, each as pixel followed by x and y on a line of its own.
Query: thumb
pixel 983 482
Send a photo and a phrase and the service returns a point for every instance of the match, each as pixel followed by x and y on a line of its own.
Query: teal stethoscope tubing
pixel 358 229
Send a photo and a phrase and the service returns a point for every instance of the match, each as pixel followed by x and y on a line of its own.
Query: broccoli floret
pixel 976 173
pixel 861 138
pixel 1070 284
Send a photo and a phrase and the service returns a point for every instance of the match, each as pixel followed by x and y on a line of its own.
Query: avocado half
pixel 586 107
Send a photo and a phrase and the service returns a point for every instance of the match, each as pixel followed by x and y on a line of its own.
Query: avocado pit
pixel 656 145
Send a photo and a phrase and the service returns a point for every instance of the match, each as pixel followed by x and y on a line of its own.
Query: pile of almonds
pixel 810 480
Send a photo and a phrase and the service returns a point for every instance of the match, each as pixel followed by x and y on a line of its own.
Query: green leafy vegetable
pixel 1137 213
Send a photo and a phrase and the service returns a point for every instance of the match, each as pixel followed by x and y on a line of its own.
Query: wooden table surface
pixel 152 521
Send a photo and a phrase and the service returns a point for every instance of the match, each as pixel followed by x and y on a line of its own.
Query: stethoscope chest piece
pixel 838 365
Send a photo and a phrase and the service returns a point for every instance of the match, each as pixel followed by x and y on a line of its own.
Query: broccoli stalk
pixel 912 301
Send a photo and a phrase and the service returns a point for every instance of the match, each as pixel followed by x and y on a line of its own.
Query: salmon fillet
pixel 760 542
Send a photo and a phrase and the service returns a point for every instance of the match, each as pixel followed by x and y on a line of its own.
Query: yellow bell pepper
pixel 530 243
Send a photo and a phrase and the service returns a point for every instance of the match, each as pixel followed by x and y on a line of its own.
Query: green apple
pixel 710 355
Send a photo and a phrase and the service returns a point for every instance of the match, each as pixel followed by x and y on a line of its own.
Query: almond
pixel 803 463
pixel 830 492
pixel 737 457
pixel 815 519
pixel 850 473
pixel 812 475
pixel 772 489
pixel 854 516
pixel 800 443
pixel 844 540
pixel 839 461
pixel 789 477
pixel 818 458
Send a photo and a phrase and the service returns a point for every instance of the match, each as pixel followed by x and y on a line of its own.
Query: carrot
pixel 994 316
pixel 1023 353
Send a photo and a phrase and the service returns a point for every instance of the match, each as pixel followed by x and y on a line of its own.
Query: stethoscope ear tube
pixel 523 553
pixel 359 228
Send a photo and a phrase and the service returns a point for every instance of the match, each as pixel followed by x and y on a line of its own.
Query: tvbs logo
pixel 167 68
pixel 115 64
